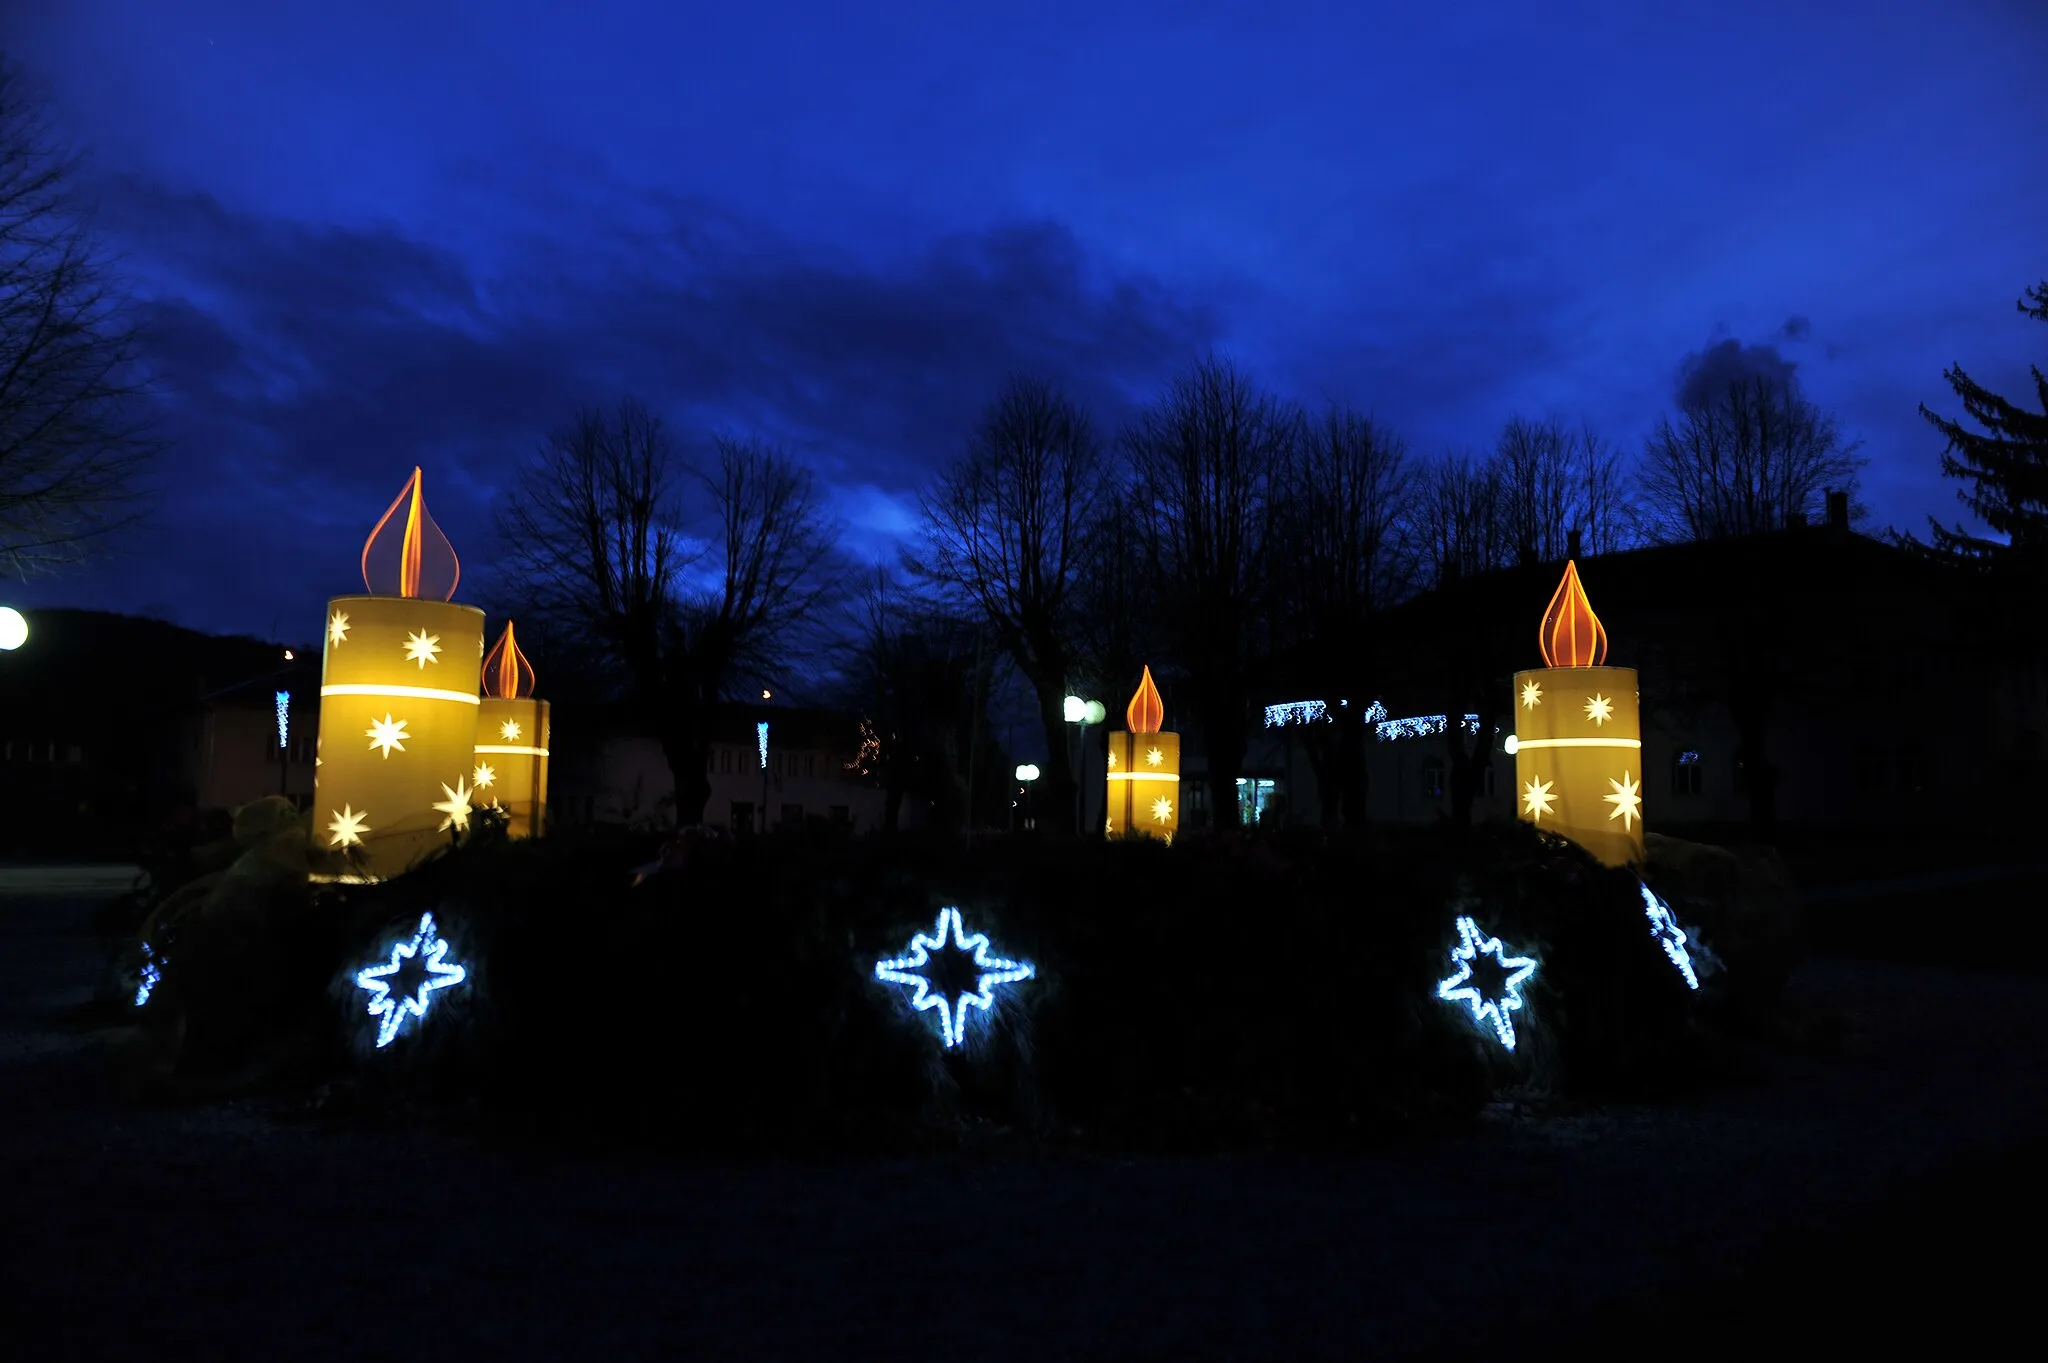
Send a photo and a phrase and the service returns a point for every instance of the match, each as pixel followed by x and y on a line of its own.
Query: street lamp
pixel 13 629
pixel 1080 713
pixel 1027 772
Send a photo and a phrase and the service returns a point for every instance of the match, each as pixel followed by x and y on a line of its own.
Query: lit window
pixel 1686 774
pixel 1432 780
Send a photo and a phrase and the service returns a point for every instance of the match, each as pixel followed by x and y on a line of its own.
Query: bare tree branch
pixel 74 422
pixel 1755 457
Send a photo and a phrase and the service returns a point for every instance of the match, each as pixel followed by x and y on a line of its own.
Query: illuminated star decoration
pixel 911 970
pixel 1531 693
pixel 346 829
pixel 1664 927
pixel 387 733
pixel 484 776
pixel 337 628
pixel 1627 800
pixel 1153 757
pixel 509 730
pixel 1599 709
pixel 1112 757
pixel 152 974
pixel 420 647
pixel 1537 799
pixel 1162 809
pixel 391 1007
pixel 1460 988
pixel 456 806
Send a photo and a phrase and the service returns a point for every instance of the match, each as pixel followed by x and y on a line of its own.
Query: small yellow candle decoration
pixel 512 740
pixel 1144 770
pixel 398 701
pixel 1578 743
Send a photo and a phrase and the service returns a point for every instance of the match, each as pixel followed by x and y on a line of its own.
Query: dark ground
pixel 1850 1201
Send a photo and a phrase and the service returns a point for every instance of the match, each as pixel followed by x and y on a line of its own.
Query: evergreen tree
pixel 2007 469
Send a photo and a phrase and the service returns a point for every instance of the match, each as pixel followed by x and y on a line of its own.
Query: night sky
pixel 376 234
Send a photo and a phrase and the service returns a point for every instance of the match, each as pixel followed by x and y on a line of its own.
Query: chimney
pixel 1571 543
pixel 1838 509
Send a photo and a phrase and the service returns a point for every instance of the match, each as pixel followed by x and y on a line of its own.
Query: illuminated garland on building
pixel 391 1006
pixel 913 970
pixel 152 974
pixel 761 742
pixel 1664 927
pixel 1460 987
pixel 284 720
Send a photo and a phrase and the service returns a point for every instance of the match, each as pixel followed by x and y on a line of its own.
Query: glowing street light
pixel 1027 772
pixel 13 629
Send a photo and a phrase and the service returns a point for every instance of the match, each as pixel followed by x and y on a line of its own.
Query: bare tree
pixel 1340 502
pixel 1006 527
pixel 74 420
pixel 1558 486
pixel 1459 528
pixel 1753 457
pixel 1203 459
pixel 598 542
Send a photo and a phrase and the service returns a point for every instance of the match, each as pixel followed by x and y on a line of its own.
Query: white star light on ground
pixel 1664 927
pixel 1460 988
pixel 1599 709
pixel 347 827
pixel 915 970
pixel 388 734
pixel 509 730
pixel 420 647
pixel 1537 799
pixel 337 628
pixel 1531 693
pixel 392 999
pixel 1627 800
pixel 456 806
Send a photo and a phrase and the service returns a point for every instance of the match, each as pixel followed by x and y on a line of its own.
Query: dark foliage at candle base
pixel 1219 993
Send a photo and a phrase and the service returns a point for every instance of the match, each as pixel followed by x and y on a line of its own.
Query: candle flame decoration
pixel 1146 711
pixel 1572 635
pixel 410 557
pixel 507 674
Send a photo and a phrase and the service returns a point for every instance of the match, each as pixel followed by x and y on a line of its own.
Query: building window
pixel 725 760
pixel 810 764
pixel 1685 773
pixel 711 764
pixel 1432 779
pixel 1871 767
pixel 1255 796
pixel 742 816
pixel 792 815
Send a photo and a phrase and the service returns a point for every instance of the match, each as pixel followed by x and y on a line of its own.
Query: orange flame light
pixel 1146 711
pixel 1572 635
pixel 416 560
pixel 507 674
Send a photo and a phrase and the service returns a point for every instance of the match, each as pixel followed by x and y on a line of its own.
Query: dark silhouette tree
pixel 1006 529
pixel 599 543
pixel 1202 460
pixel 1558 487
pixel 75 421
pixel 2006 467
pixel 1752 457
pixel 1459 527
pixel 1339 501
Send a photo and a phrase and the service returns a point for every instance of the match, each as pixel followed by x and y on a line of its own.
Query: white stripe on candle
pixel 510 750
pixel 1143 776
pixel 408 692
pixel 1578 743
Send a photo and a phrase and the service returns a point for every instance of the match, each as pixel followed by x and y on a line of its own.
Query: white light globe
pixel 13 628
pixel 1027 772
pixel 1510 744
pixel 1094 713
pixel 1075 709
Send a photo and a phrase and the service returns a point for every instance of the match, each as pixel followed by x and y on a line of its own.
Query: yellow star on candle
pixel 456 806
pixel 1531 693
pixel 420 647
pixel 1627 800
pixel 484 775
pixel 1154 758
pixel 387 733
pixel 1112 759
pixel 347 827
pixel 509 730
pixel 1599 709
pixel 1162 810
pixel 337 627
pixel 1537 799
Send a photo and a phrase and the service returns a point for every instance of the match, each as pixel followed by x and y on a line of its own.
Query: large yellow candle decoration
pixel 1144 770
pixel 512 740
pixel 398 700
pixel 1578 743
